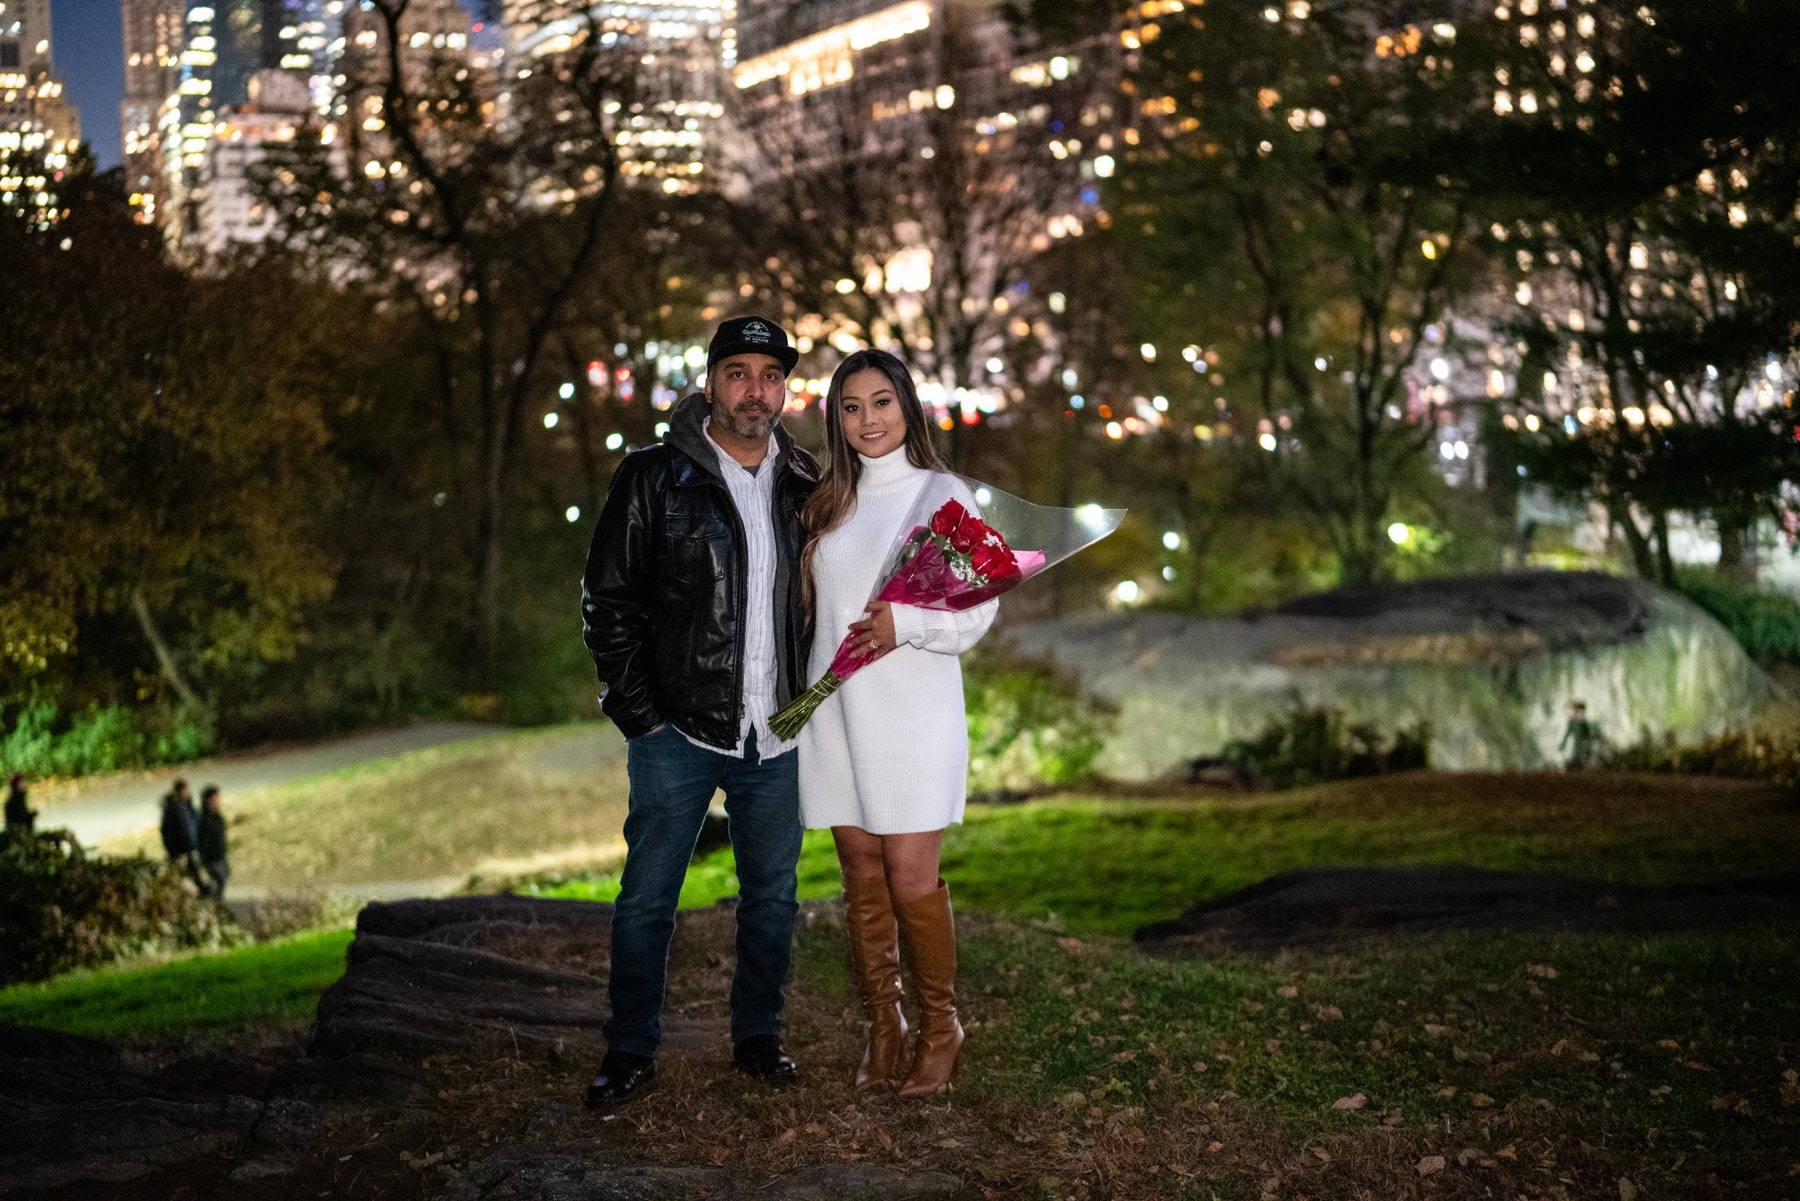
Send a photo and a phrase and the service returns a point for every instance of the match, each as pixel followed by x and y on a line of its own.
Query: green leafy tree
pixel 1295 217
pixel 166 455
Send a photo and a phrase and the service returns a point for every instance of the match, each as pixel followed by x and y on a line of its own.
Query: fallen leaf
pixel 1072 1100
pixel 1071 945
pixel 1214 1147
pixel 1435 1030
pixel 1429 1165
pixel 1507 1152
pixel 1561 1045
pixel 1353 1101
pixel 1627 1190
pixel 1200 1065
pixel 949 1144
pixel 1668 1044
pixel 1327 1013
pixel 786 1136
pixel 1542 971
pixel 1323 1155
pixel 1288 990
pixel 1480 1100
pixel 1694 1065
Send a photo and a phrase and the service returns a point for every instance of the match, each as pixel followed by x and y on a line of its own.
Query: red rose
pixel 947 518
pixel 970 532
pixel 994 561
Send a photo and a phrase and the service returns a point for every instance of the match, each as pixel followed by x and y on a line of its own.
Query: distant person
pixel 1581 739
pixel 20 817
pixel 180 830
pixel 209 843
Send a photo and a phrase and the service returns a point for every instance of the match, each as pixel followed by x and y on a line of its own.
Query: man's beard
pixel 749 426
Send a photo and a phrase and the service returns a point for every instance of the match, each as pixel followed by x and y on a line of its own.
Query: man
pixel 210 846
pixel 180 827
pixel 21 818
pixel 691 607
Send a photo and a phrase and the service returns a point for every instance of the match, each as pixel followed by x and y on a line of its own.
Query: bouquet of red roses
pixel 954 560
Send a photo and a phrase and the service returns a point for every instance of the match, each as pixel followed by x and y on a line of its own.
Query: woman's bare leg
pixel 859 852
pixel 911 861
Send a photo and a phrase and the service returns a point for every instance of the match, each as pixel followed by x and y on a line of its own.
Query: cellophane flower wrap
pixel 963 543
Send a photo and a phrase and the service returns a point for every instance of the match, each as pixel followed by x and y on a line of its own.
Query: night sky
pixel 90 55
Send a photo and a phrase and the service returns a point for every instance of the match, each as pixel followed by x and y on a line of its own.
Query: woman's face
pixel 870 413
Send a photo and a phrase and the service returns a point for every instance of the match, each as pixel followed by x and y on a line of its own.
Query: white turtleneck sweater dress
pixel 889 751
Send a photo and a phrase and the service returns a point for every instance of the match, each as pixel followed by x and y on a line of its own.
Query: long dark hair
pixel 835 498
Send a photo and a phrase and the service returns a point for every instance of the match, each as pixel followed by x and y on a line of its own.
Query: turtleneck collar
pixel 888 470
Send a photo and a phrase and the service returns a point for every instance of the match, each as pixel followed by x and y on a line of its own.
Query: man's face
pixel 746 392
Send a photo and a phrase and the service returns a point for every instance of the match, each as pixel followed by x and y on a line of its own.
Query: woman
pixel 884 760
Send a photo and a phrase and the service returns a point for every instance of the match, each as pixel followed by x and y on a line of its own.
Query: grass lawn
pixel 269 986
pixel 1107 866
pixel 519 801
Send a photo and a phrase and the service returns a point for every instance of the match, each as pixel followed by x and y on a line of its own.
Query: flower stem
pixel 787 721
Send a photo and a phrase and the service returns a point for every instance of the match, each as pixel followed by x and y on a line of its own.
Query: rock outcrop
pixel 1492 663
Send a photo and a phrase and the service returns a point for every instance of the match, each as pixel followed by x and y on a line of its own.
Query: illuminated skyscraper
pixel 224 44
pixel 39 128
pixel 672 56
pixel 152 31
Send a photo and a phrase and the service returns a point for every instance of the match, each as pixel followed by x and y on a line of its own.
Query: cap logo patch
pixel 756 331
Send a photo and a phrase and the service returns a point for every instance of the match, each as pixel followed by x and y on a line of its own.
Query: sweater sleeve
pixel 945 633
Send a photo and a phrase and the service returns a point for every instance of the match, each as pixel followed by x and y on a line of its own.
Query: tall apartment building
pixel 39 128
pixel 153 38
pixel 672 56
pixel 224 44
pixel 228 211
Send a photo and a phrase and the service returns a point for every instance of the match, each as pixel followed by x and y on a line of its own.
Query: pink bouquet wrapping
pixel 950 558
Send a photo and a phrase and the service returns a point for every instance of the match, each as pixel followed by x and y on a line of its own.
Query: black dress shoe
pixel 622 1075
pixel 762 1057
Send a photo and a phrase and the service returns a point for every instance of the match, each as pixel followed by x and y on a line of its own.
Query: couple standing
pixel 717 555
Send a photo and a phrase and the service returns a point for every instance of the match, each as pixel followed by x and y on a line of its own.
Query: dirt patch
pixel 1319 908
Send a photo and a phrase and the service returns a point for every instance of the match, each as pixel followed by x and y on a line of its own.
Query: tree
pixel 1298 221
pixel 904 205
pixel 167 454
pixel 485 207
pixel 1643 170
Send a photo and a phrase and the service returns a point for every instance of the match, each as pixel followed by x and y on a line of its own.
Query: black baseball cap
pixel 751 335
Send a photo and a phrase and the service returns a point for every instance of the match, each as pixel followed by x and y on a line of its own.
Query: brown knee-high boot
pixel 928 932
pixel 875 958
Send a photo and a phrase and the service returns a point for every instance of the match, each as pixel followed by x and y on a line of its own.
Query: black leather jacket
pixel 664 594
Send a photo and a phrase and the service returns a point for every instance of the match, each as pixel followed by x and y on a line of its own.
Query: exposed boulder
pixel 1492 663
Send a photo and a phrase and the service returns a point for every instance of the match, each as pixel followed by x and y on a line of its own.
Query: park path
pixel 101 808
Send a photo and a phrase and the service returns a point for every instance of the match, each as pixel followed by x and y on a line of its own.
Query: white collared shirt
pixel 753 494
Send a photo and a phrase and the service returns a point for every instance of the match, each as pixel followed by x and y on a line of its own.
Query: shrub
pixel 1030 725
pixel 61 908
pixel 1735 753
pixel 1314 745
pixel 1766 624
pixel 40 743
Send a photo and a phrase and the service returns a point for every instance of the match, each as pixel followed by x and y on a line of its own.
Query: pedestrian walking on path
pixel 209 843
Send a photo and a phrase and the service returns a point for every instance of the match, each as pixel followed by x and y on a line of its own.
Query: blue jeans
pixel 672 784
